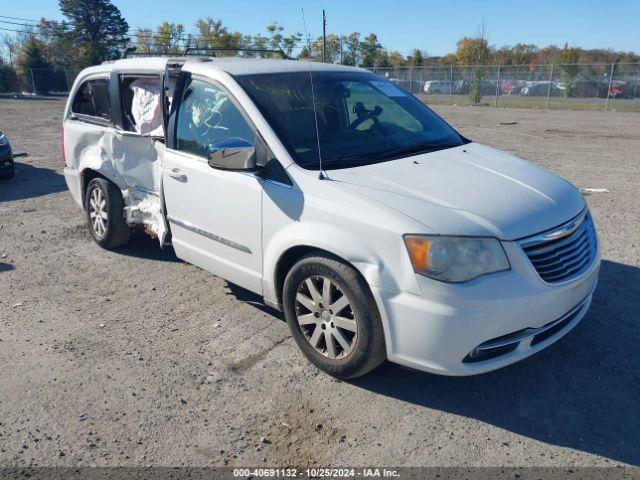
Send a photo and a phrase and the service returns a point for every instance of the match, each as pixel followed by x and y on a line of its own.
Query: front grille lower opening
pixel 508 343
pixel 477 355
pixel 550 332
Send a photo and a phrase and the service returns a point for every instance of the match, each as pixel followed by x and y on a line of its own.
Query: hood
pixel 468 190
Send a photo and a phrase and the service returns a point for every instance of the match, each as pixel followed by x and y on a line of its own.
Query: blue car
pixel 7 165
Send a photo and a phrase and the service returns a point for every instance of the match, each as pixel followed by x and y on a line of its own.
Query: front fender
pixel 335 240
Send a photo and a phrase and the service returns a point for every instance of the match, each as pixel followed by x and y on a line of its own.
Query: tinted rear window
pixel 92 99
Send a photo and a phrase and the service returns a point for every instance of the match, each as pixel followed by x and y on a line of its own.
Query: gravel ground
pixel 135 358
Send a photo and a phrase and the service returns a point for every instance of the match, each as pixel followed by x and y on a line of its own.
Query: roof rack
pixel 132 51
pixel 189 50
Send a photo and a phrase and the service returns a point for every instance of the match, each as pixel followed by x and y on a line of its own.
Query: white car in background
pixel 379 230
pixel 437 86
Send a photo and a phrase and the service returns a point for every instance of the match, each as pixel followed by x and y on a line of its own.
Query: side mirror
pixel 232 154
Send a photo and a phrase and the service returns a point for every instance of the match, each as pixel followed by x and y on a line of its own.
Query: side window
pixel 206 116
pixel 92 99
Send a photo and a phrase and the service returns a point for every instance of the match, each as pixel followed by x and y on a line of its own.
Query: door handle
pixel 177 174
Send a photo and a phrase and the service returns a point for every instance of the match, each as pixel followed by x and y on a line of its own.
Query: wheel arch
pixel 291 256
pixel 86 176
pixel 89 171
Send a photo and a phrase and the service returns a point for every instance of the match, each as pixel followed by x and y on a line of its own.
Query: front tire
pixel 105 214
pixel 333 317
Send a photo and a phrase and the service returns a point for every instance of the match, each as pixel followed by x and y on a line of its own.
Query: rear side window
pixel 92 99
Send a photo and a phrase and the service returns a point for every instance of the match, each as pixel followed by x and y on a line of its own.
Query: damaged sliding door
pixel 135 148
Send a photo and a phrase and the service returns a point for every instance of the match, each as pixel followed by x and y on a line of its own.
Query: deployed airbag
pixel 146 107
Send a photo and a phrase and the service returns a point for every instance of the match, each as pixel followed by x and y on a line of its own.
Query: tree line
pixel 95 30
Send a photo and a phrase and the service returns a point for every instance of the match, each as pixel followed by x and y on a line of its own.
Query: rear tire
pixel 105 214
pixel 333 316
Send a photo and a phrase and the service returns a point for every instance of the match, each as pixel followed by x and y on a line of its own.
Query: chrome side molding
pixel 209 235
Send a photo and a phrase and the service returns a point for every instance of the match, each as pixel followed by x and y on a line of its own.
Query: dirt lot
pixel 135 358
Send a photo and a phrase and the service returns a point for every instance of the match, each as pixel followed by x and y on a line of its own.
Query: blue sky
pixel 400 24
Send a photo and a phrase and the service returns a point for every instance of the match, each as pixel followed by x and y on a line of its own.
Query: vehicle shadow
pixel 253 299
pixel 582 392
pixel 143 246
pixel 6 267
pixel 30 182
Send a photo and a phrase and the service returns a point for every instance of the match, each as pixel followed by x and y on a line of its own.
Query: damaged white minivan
pixel 380 231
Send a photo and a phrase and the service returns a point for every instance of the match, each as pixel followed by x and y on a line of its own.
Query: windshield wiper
pixel 360 160
pixel 415 149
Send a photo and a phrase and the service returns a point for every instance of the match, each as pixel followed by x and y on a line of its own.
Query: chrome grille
pixel 564 252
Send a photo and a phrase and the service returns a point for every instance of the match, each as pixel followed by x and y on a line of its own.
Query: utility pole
pixel 324 37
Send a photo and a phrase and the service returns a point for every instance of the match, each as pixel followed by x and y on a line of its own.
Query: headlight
pixel 455 259
pixel 3 139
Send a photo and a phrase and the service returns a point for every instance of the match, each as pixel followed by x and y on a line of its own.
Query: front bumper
pixel 436 331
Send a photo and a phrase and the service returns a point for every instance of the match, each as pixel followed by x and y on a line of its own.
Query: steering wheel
pixel 205 115
pixel 364 115
pixel 363 118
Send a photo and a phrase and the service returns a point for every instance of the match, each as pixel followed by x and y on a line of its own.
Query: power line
pixel 38 24
pixel 18 18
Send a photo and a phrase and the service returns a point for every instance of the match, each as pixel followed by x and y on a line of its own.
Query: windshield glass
pixel 362 118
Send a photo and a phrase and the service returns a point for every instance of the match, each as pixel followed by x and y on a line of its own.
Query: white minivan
pixel 380 231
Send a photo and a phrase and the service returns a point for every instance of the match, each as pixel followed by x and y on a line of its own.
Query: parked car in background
pixel 379 230
pixel 7 164
pixel 460 87
pixel 583 89
pixel 614 88
pixel 463 87
pixel 511 87
pixel 630 89
pixel 541 89
pixel 437 86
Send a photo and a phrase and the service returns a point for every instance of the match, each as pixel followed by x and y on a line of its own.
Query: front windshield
pixel 362 118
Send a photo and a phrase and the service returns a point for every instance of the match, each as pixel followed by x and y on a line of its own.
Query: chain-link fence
pixel 576 86
pixel 46 81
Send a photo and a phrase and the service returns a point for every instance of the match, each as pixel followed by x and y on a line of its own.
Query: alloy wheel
pixel 326 317
pixel 98 212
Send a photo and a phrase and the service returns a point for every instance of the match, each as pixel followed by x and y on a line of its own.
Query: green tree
pixel 99 30
pixel 144 40
pixel 34 54
pixel 369 50
pixel 523 54
pixel 475 53
pixel 447 60
pixel 58 41
pixel 568 59
pixel 214 34
pixel 416 59
pixel 397 60
pixel 8 78
pixel 31 62
pixel 382 58
pixel 168 38
pixel 279 41
pixel 332 50
pixel 351 49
